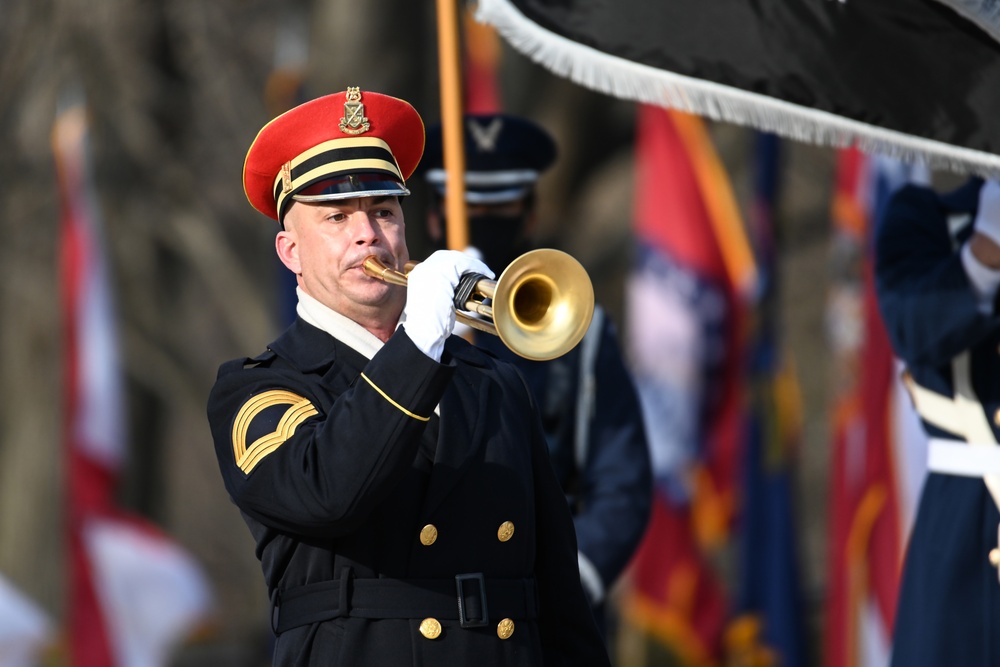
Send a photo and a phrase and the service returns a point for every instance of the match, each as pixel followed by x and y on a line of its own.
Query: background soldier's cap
pixel 350 144
pixel 504 156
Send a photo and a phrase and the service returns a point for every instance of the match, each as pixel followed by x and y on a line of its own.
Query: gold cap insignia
pixel 286 178
pixel 354 120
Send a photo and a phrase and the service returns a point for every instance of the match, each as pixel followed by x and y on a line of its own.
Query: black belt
pixel 468 598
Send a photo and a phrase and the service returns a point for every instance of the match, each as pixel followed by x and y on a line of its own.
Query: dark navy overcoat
pixel 949 607
pixel 367 504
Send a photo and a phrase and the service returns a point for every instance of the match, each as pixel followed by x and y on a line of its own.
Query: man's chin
pixel 373 292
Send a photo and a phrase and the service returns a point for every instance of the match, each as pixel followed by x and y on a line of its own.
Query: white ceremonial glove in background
pixel 988 211
pixel 430 311
pixel 473 251
pixel 984 280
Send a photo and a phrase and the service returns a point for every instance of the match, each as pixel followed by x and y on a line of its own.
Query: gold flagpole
pixel 451 123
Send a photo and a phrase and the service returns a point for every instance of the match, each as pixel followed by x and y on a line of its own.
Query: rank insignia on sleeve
pixel 265 422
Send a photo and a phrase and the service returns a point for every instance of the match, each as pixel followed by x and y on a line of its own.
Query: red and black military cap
pixel 350 144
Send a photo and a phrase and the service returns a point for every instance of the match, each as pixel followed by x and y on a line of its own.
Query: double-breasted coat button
pixel 428 534
pixel 505 628
pixel 996 417
pixel 995 557
pixel 506 531
pixel 430 628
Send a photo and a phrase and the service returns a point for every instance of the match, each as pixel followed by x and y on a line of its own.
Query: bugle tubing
pixel 540 306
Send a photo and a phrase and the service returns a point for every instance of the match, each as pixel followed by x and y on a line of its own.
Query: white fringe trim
pixel 628 80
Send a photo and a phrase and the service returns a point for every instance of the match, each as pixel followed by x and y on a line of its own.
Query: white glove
pixel 988 211
pixel 430 290
pixel 984 279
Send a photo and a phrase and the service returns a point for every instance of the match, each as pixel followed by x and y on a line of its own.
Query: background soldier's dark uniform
pixel 949 606
pixel 591 414
pixel 607 479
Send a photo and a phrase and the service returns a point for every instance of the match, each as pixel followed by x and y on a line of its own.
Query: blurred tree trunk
pixel 30 342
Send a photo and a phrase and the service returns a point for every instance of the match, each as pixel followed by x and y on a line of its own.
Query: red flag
pixel 687 212
pixel 876 433
pixel 677 599
pixel 107 550
pixel 685 310
pixel 92 427
pixel 481 63
pixel 25 630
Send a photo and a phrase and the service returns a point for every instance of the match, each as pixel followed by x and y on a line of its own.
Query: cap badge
pixel 286 178
pixel 354 120
pixel 486 137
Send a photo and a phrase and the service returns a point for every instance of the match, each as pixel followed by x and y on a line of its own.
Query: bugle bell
pixel 540 306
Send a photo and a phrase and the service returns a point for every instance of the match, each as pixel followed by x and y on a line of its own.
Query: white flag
pixel 152 592
pixel 25 629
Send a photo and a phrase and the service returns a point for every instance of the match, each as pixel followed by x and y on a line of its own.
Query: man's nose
pixel 366 228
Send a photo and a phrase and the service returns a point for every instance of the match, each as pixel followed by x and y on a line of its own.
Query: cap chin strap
pixel 399 192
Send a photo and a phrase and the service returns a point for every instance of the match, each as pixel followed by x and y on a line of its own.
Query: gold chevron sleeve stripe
pixel 298 411
pixel 392 402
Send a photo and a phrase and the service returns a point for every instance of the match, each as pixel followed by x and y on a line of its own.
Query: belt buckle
pixel 463 617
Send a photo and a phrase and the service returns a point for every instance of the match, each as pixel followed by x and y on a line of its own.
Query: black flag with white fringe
pixel 914 79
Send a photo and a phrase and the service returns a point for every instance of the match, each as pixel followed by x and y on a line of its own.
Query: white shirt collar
pixel 342 328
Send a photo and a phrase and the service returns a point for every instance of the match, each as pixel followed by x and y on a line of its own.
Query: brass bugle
pixel 540 306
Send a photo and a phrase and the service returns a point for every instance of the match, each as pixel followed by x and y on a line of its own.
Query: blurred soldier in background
pixel 938 270
pixel 590 410
pixel 394 477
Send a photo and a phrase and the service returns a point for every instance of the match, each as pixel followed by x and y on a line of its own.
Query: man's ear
pixel 287 246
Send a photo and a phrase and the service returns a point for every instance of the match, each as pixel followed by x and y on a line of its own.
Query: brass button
pixel 996 417
pixel 505 628
pixel 506 531
pixel 430 628
pixel 428 535
pixel 995 557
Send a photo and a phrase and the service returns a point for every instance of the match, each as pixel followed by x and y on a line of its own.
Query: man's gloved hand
pixel 430 290
pixel 988 211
